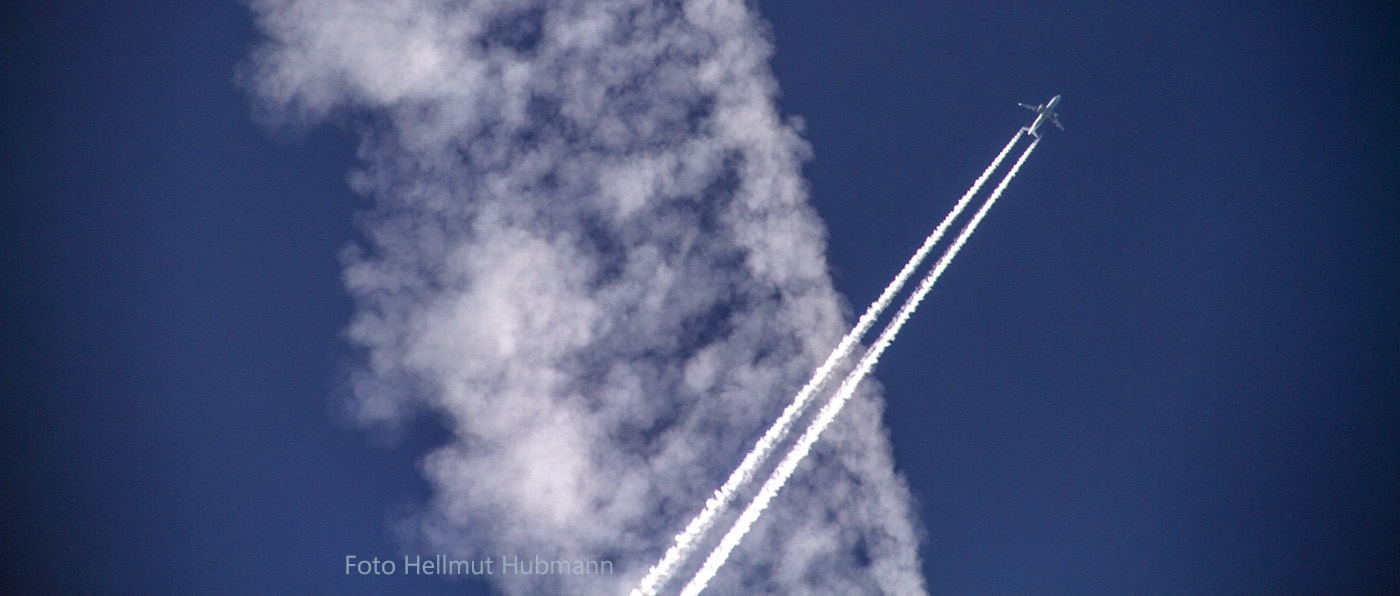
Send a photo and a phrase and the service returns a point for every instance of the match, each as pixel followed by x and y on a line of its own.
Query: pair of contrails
pixel 688 540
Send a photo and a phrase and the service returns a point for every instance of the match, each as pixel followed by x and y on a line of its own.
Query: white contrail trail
pixel 685 542
pixel 828 412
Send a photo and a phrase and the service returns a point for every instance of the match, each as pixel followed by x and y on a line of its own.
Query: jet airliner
pixel 1043 112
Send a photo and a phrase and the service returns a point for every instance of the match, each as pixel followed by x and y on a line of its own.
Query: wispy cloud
pixel 590 252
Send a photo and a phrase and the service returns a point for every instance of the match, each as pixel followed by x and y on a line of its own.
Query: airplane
pixel 1043 111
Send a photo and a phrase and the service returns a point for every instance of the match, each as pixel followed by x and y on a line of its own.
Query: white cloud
pixel 591 252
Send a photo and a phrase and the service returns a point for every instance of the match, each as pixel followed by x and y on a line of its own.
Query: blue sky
pixel 1166 362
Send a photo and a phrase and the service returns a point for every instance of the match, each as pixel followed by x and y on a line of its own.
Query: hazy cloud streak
pixel 591 255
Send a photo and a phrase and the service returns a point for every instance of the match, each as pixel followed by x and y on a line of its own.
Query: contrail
pixel 685 542
pixel 828 412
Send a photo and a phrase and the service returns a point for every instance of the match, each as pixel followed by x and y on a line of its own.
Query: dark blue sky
pixel 1168 362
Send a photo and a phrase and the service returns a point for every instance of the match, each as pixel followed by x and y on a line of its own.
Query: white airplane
pixel 1043 112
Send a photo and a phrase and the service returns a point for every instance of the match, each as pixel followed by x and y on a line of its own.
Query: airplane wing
pixel 1056 120
pixel 1029 107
